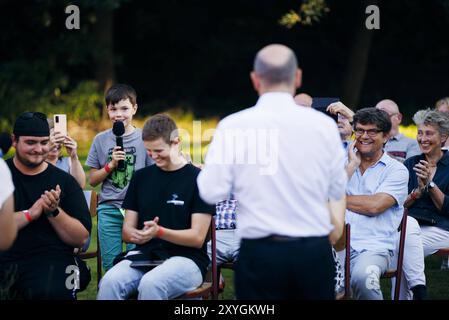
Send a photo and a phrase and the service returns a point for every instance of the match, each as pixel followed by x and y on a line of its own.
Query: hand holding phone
pixel 60 124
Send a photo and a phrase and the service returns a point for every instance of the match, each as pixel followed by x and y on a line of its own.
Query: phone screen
pixel 60 121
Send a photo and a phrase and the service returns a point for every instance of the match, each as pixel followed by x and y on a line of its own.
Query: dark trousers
pixel 38 279
pixel 276 268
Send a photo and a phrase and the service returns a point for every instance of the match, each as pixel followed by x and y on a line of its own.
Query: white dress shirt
pixel 282 162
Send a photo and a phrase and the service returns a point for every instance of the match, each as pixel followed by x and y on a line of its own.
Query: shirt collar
pixel 397 137
pixel 275 100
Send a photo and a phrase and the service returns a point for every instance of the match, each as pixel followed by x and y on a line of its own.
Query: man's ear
pixel 14 140
pixel 135 109
pixel 298 78
pixel 255 81
pixel 400 117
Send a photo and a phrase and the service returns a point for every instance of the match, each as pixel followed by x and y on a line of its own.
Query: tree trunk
pixel 104 55
pixel 358 59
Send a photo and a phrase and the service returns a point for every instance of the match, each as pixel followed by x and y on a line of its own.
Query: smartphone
pixel 321 104
pixel 60 121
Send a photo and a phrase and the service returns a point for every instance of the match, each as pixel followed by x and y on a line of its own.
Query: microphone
pixel 118 129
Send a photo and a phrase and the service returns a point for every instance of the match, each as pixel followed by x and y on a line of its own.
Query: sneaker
pixel 419 292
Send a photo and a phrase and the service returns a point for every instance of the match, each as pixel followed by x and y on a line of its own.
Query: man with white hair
pixel 398 146
pixel 283 221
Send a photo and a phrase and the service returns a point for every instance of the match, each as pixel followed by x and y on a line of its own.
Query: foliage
pixel 310 12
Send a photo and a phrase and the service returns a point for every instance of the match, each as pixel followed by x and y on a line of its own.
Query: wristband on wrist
pixel 160 232
pixel 107 168
pixel 414 194
pixel 27 215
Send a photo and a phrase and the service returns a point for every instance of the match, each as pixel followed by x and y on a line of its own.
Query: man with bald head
pixel 282 182
pixel 398 146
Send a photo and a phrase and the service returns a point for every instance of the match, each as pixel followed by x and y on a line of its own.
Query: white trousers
pixel 419 243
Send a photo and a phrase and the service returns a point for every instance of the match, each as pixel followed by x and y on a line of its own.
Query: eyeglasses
pixel 31 115
pixel 371 132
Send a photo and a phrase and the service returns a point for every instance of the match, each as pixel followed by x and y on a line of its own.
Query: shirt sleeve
pixel 395 183
pixel 92 158
pixel 215 180
pixel 6 186
pixel 74 203
pixel 131 197
pixel 198 204
pixel 338 176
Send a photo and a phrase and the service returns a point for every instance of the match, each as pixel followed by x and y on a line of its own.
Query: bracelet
pixel 107 168
pixel 160 232
pixel 27 215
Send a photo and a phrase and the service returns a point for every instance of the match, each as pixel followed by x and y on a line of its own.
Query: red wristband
pixel 107 168
pixel 413 196
pixel 27 215
pixel 160 232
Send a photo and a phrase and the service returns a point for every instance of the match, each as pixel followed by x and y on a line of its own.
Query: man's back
pixel 295 164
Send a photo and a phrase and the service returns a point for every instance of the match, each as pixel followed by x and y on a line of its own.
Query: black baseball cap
pixel 32 124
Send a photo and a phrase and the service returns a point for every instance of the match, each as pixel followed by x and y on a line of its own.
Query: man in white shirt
pixel 8 228
pixel 282 182
pixel 398 146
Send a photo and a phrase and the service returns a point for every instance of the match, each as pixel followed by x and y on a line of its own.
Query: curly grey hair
pixel 433 117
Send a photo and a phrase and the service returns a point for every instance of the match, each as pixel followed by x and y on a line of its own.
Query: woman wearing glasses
pixel 428 200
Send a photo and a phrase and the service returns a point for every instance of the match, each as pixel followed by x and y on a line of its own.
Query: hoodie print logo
pixel 174 201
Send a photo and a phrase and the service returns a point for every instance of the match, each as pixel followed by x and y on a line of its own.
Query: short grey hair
pixel 276 74
pixel 433 117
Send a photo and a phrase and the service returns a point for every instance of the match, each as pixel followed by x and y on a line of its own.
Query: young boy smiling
pixel 169 223
pixel 103 159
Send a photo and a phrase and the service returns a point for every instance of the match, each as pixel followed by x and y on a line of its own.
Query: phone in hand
pixel 60 123
pixel 321 104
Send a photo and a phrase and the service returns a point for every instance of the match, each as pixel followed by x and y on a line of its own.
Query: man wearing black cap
pixel 52 219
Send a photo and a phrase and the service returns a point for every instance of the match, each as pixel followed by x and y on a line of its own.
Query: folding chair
pixel 226 265
pixel 91 199
pixel 397 273
pixel 390 273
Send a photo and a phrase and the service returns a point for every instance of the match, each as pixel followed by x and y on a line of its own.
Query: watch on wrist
pixel 53 213
pixel 432 184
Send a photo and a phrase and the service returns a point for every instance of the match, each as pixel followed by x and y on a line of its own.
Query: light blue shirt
pixel 378 233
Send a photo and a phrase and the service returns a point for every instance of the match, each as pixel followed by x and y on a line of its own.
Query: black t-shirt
pixel 39 239
pixel 172 196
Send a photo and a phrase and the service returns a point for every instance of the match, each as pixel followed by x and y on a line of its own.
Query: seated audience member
pixel 442 105
pixel 8 228
pixel 5 143
pixel 227 243
pixel 70 164
pixel 169 223
pixel 398 146
pixel 52 218
pixel 303 99
pixel 428 200
pixel 345 119
pixel 376 191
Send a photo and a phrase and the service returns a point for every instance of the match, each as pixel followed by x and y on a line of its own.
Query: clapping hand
pixel 422 170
